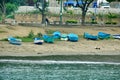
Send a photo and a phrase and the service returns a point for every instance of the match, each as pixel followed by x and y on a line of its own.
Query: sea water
pixel 58 70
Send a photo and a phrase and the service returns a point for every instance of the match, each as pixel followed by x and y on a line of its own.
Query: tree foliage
pixel 42 6
pixel 113 0
pixel 7 7
pixel 10 8
pixel 84 7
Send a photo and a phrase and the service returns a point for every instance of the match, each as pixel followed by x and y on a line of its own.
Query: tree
pixel 6 7
pixel 3 10
pixel 10 8
pixel 83 4
pixel 113 0
pixel 84 7
pixel 42 6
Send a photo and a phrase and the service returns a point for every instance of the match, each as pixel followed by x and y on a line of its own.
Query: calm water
pixel 58 70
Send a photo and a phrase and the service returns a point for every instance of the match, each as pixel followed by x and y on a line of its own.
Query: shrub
pixel 49 31
pixel 114 22
pixel 39 34
pixel 10 16
pixel 112 15
pixel 111 23
pixel 108 23
pixel 71 21
pixel 94 22
pixel 31 34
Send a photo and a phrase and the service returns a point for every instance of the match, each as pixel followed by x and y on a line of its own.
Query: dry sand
pixel 83 46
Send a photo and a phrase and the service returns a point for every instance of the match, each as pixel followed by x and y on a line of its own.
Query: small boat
pixel 57 35
pixel 14 41
pixel 90 36
pixel 38 41
pixel 64 37
pixel 48 39
pixel 102 35
pixel 73 37
pixel 116 36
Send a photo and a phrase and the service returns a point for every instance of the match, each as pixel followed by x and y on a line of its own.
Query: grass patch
pixel 9 27
pixel 26 39
pixel 49 31
pixel 5 39
pixel 3 32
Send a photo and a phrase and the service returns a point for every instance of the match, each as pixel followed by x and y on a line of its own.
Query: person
pixel 47 21
pixel 93 18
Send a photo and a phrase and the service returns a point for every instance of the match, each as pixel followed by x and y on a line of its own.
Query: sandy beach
pixel 82 47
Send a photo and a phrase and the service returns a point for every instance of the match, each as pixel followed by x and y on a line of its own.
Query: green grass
pixel 3 32
pixel 5 39
pixel 26 39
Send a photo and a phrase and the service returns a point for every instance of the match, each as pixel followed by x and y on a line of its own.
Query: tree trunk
pixel 43 12
pixel 3 18
pixel 43 17
pixel 83 16
pixel 3 10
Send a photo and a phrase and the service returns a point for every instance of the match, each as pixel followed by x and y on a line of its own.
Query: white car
pixel 105 5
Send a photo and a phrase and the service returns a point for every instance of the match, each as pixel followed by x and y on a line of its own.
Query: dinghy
pixel 103 35
pixel 57 35
pixel 90 36
pixel 48 39
pixel 14 41
pixel 116 36
pixel 64 37
pixel 38 41
pixel 73 37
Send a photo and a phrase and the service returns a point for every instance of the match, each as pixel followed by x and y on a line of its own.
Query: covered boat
pixel 64 37
pixel 56 35
pixel 38 41
pixel 48 39
pixel 70 3
pixel 14 41
pixel 103 35
pixel 90 36
pixel 73 37
pixel 116 36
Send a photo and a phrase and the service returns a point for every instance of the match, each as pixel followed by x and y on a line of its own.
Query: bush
pixel 31 34
pixel 39 34
pixel 108 23
pixel 114 22
pixel 71 21
pixel 49 31
pixel 94 22
pixel 10 16
pixel 112 15
pixel 111 23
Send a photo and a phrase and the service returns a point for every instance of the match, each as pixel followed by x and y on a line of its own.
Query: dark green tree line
pixel 8 6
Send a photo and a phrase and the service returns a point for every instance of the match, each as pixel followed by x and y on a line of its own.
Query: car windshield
pixel 105 4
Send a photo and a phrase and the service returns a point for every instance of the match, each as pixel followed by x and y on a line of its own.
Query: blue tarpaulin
pixel 70 2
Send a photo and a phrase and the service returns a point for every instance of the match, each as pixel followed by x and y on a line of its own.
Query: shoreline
pixel 90 58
